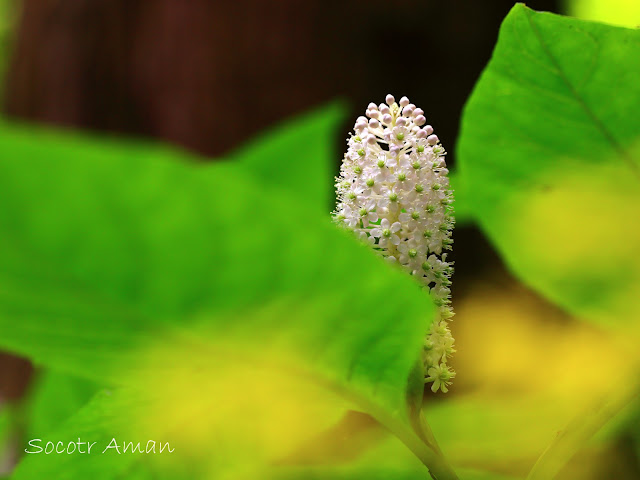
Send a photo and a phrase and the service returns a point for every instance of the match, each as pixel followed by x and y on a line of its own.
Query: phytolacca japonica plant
pixel 393 191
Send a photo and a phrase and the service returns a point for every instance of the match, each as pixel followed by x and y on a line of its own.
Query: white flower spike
pixel 393 191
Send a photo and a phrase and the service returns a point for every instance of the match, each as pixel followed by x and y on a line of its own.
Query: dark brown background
pixel 208 74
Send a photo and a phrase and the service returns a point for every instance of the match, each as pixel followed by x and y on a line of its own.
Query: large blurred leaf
pixel 298 156
pixel 53 398
pixel 112 254
pixel 101 421
pixel 548 156
pixel 101 418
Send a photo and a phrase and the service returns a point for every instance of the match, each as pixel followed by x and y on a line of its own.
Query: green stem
pixel 440 468
pixel 578 432
pixel 427 452
pixel 417 437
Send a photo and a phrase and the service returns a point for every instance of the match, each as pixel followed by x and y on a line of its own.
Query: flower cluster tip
pixel 393 192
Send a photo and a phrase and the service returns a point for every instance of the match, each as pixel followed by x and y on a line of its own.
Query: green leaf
pixel 53 399
pixel 129 264
pixel 298 156
pixel 549 158
pixel 99 421
pixel 102 421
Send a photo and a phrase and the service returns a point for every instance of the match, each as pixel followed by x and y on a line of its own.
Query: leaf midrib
pixel 624 154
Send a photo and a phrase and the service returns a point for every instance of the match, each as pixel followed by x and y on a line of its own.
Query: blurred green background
pixel 216 81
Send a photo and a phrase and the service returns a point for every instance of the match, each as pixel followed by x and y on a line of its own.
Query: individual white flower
pixel 441 376
pixel 391 199
pixel 372 186
pixel 387 232
pixel 367 238
pixel 368 213
pixel 412 219
pixel 397 135
pixel 350 218
pixel 393 190
pixel 405 179
pixel 412 253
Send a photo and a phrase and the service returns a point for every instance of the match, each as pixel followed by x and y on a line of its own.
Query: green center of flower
pixel 393 197
pixel 363 212
pixel 415 215
pixel 427 234
pixel 416 165
pixel 381 163
pixel 357 139
pixel 426 266
pixel 386 232
pixel 420 148
pixel 361 152
pixel 400 136
pixel 357 169
pixel 430 208
pixel 402 177
pixel 352 196
pixel 370 182
pixel 435 186
pixel 419 188
pixel 413 253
